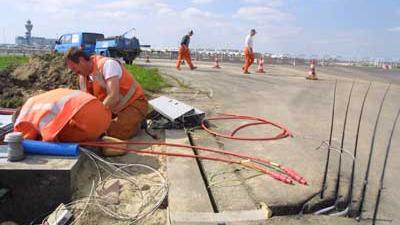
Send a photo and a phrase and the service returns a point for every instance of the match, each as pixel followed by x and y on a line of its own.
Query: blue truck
pixel 94 43
pixel 84 40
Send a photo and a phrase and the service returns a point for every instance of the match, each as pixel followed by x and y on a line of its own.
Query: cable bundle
pixel 150 193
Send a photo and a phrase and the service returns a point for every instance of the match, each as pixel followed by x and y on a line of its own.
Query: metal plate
pixel 170 108
pixel 5 120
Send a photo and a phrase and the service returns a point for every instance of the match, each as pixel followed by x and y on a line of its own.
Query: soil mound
pixel 41 73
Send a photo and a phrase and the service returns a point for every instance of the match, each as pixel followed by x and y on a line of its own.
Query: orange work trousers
pixel 127 123
pixel 89 123
pixel 185 55
pixel 248 59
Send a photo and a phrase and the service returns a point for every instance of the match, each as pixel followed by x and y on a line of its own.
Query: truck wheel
pixel 128 61
pixel 112 53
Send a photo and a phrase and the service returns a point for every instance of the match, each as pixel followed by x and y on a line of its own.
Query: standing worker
pixel 111 83
pixel 184 52
pixel 248 52
pixel 62 115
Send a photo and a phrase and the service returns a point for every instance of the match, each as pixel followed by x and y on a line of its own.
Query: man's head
pixel 78 61
pixel 253 32
pixel 190 33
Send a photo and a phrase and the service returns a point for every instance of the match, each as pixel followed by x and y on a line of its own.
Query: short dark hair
pixel 74 53
pixel 191 32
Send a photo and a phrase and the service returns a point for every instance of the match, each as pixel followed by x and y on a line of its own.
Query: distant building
pixel 34 41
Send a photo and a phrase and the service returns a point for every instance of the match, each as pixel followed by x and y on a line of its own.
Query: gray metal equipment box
pixel 179 114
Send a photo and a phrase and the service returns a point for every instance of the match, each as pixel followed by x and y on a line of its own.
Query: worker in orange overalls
pixel 184 53
pixel 108 80
pixel 248 52
pixel 63 115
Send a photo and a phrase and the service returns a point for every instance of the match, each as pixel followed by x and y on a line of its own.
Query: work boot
pixel 109 152
pixel 193 68
pixel 178 68
pixel 246 72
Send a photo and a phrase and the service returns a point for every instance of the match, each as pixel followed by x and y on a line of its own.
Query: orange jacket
pixel 46 114
pixel 129 88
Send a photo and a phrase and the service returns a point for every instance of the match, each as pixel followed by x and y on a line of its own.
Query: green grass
pixel 7 60
pixel 149 78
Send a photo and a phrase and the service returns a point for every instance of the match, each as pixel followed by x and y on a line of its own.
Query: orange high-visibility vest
pixel 46 114
pixel 129 88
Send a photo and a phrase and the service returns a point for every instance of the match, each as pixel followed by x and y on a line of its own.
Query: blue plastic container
pixel 50 148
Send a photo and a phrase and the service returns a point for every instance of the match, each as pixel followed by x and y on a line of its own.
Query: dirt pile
pixel 41 73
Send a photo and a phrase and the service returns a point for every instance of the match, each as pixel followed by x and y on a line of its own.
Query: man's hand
pixel 112 99
pixel 82 83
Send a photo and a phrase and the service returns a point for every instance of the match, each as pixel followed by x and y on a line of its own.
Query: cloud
pixel 49 6
pixel 202 1
pixel 126 4
pixel 394 29
pixel 196 13
pixel 161 23
pixel 262 14
pixel 271 3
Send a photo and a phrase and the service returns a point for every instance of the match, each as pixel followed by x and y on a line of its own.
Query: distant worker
pixel 114 85
pixel 184 53
pixel 248 51
pixel 63 115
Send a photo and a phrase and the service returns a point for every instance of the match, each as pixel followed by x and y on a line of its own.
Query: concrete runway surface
pixel 283 95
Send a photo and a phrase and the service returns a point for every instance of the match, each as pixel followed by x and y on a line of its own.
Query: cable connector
pixel 281 177
pixel 60 216
pixel 292 174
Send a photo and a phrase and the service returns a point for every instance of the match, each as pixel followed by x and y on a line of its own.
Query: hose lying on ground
pixel 281 173
pixel 259 121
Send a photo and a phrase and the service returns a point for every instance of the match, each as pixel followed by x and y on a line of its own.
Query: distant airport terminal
pixel 34 41
pixel 28 44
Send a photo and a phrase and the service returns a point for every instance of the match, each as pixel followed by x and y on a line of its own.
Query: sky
pixel 346 28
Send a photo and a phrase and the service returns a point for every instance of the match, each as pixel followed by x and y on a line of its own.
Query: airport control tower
pixel 28 35
pixel 30 40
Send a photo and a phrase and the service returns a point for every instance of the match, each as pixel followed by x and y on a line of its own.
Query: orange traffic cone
pixel 311 72
pixel 260 62
pixel 216 63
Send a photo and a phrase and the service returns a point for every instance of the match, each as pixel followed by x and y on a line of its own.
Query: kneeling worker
pixel 63 115
pixel 108 80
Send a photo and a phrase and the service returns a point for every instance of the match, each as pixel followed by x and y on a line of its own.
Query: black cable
pixel 378 197
pixel 364 187
pixel 349 199
pixel 329 143
pixel 337 186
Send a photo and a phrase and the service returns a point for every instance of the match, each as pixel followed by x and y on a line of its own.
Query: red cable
pixel 245 125
pixel 260 119
pixel 7 111
pixel 291 172
pixel 274 175
pixel 225 116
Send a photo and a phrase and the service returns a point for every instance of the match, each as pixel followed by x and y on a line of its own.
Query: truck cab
pixel 84 40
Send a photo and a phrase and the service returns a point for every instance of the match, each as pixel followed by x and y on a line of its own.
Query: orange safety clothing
pixel 248 59
pixel 184 54
pixel 129 88
pixel 127 122
pixel 63 115
pixel 133 102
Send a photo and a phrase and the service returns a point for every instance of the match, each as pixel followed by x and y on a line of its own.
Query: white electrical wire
pixel 149 201
pixel 325 143
pixel 119 171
